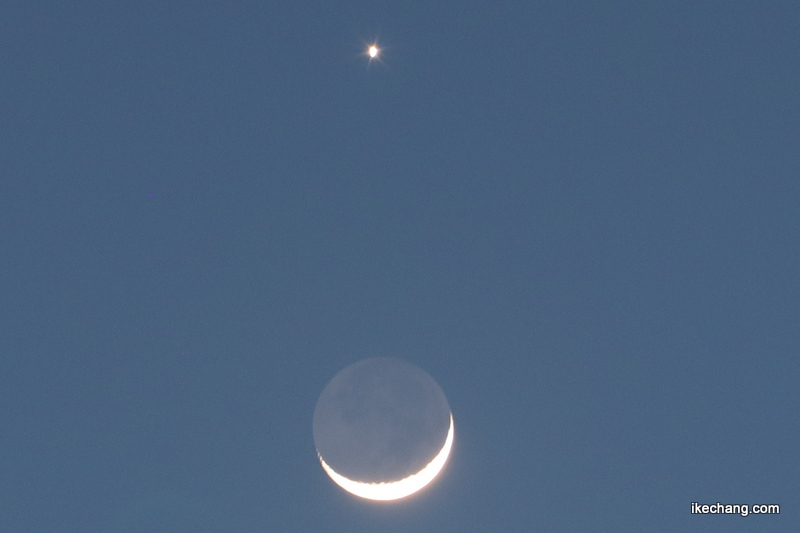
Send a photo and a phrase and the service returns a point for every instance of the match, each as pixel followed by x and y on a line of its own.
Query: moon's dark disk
pixel 380 420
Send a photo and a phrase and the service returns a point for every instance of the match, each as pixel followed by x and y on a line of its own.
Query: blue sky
pixel 581 218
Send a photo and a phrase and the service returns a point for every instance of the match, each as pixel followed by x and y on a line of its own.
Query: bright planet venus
pixel 383 429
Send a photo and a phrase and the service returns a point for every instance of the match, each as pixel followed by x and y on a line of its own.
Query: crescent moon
pixel 396 489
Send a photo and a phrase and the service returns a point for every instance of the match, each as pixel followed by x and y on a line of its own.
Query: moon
pixel 383 429
pixel 373 52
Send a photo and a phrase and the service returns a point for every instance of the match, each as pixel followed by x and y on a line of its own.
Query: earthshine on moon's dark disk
pixel 382 428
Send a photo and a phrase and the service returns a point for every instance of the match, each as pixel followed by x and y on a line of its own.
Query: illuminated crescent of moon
pixel 395 489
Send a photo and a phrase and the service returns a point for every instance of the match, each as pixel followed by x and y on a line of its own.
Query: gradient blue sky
pixel 581 218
